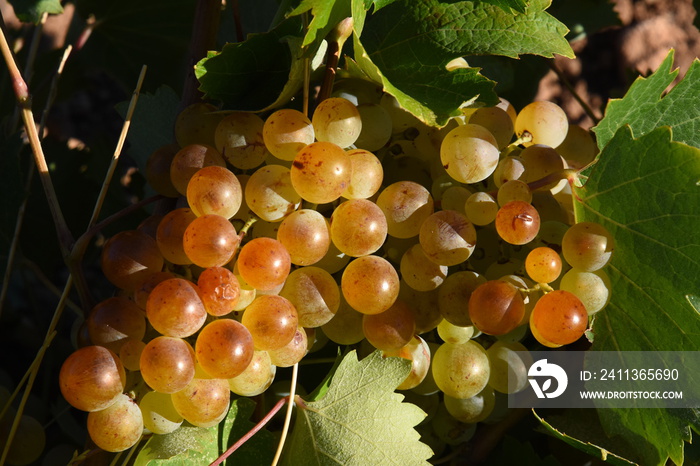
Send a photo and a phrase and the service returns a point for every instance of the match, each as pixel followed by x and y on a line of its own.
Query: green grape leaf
pixel 198 445
pixel 360 420
pixel 30 11
pixel 326 15
pixel 187 445
pixel 507 5
pixel 643 108
pixel 151 124
pixel 258 449
pixel 583 424
pixel 645 191
pixel 406 46
pixel 260 73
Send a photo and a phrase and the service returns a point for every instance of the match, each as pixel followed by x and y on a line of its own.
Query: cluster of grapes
pixel 361 222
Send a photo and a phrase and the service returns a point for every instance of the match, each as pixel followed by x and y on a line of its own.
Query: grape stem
pixel 579 99
pixel 288 415
pixel 252 431
pixel 336 40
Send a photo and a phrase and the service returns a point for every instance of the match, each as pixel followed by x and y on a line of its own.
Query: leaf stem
pixel 288 415
pixel 252 431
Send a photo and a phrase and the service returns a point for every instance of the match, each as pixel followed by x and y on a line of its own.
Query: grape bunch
pixel 451 247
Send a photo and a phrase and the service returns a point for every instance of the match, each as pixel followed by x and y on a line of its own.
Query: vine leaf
pixel 326 15
pixel 407 45
pixel 258 74
pixel 197 445
pixel 30 11
pixel 645 192
pixel 359 420
pixel 643 108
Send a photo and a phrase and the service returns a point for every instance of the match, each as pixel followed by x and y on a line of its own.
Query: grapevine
pixel 342 265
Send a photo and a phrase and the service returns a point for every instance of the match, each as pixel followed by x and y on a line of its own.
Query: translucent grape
pixel 559 318
pixel 358 227
pixel 508 367
pixel 497 121
pixel 376 127
pixel 196 124
pixel 117 427
pixel 239 138
pixel 256 378
pixel 130 354
pixel 391 329
pixel 447 237
pixel 92 378
pixel 467 157
pixel 129 258
pixel 419 271
pixel 481 208
pixel 314 293
pixel 167 364
pixel 508 107
pixel 219 290
pixel 334 260
pixel 203 402
pixel 159 414
pixel 214 190
pixel 189 160
pixel 366 176
pixel 345 327
pixel 416 351
pixel 461 370
pixel 578 148
pixel 158 170
pixel 338 121
pixel 517 222
pixel 405 205
pixel 292 352
pixel 424 306
pixel 455 198
pixel 286 132
pixel 592 288
pixel 370 284
pixel 544 121
pixel 543 265
pixel 210 241
pixel 496 307
pixel 224 348
pixel 269 193
pixel 114 321
pixel 540 161
pixel 170 233
pixel 587 246
pixel 305 235
pixel 321 172
pixel 454 294
pixel 143 291
pixel 272 321
pixel 473 409
pixel 509 168
pixel 451 333
pixel 174 308
pixel 513 190
pixel 264 263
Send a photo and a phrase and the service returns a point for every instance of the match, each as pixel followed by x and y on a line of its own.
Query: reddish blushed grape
pixel 517 222
pixel 92 378
pixel 175 309
pixel 130 257
pixel 210 241
pixel 496 307
pixel 167 364
pixel 219 289
pixel 224 348
pixel 272 321
pixel 543 265
pixel 559 318
pixel 264 263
